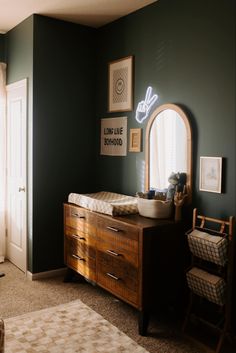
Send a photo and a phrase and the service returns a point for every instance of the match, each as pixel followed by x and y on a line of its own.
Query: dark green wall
pixel 63 130
pixel 20 51
pixel 19 55
pixel 58 60
pixel 2 48
pixel 185 50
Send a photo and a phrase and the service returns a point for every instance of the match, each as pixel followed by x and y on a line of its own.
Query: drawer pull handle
pixel 77 257
pixel 113 229
pixel 77 215
pixel 112 276
pixel 112 252
pixel 78 237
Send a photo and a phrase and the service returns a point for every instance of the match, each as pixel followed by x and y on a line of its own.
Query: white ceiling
pixel 94 13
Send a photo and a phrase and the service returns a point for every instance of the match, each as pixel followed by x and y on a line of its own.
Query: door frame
pixel 17 84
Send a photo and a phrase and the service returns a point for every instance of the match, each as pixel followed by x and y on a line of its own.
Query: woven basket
pixel 207 285
pixel 155 208
pixel 208 247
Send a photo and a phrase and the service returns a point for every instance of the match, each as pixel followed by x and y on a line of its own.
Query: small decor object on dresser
pixel 158 209
pixel 159 204
pixel 121 85
pixel 210 174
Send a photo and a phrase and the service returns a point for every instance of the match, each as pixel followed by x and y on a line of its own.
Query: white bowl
pixel 155 208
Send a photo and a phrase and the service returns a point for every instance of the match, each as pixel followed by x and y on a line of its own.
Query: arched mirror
pixel 168 147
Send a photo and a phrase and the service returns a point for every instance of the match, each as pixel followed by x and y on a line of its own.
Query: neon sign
pixel 145 105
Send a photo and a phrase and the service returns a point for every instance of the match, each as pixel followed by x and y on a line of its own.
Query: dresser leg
pixel 69 275
pixel 73 276
pixel 143 322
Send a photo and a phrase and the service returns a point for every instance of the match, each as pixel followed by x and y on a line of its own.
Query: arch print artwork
pixel 120 90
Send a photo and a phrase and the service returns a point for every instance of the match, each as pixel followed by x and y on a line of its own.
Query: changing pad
pixel 106 202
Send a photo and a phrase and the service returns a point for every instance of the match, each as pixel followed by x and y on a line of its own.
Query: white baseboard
pixel 46 274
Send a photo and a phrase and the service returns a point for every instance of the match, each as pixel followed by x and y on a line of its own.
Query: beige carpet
pixel 66 328
pixel 19 296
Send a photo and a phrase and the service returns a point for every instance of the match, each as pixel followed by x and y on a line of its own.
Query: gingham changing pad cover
pixel 208 247
pixel 106 202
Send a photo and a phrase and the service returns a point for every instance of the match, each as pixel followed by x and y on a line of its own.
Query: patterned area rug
pixel 67 328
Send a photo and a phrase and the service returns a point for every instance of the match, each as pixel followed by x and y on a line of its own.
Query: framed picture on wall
pixel 114 136
pixel 210 174
pixel 135 140
pixel 120 88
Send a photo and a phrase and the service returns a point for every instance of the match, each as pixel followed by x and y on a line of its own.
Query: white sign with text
pixel 114 136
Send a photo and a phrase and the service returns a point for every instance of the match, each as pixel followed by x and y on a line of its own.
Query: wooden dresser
pixel 137 259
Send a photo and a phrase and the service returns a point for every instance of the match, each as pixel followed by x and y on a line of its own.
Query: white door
pixel 16 173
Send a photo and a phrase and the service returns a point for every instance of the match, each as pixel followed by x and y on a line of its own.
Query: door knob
pixel 21 188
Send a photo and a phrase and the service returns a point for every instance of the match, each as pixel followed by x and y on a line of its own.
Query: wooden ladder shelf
pixel 200 230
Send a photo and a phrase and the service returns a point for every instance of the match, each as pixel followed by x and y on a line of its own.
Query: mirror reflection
pixel 168 148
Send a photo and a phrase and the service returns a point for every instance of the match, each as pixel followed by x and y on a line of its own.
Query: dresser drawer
pixel 117 236
pixel 118 248
pixel 80 257
pixel 81 242
pixel 80 219
pixel 118 276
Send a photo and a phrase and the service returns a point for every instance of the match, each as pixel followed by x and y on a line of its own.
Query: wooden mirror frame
pixel 182 114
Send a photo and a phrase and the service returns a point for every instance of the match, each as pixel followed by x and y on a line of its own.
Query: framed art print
pixel 210 174
pixel 114 136
pixel 120 88
pixel 135 140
